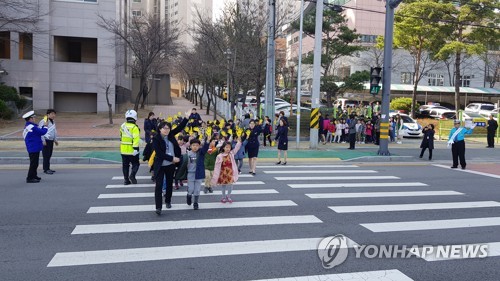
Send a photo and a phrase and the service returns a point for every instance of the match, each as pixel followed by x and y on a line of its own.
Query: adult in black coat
pixel 150 125
pixel 252 146
pixel 168 153
pixel 282 137
pixel 428 140
pixel 491 128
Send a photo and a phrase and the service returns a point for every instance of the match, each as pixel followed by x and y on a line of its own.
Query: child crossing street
pixel 226 170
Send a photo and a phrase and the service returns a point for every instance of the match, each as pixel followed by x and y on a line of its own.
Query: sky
pixel 218 6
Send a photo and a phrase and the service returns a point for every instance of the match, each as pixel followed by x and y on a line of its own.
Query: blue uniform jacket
pixel 33 138
pixel 461 134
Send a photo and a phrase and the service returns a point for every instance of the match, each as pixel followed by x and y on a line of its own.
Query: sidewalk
pixel 95 126
pixel 84 137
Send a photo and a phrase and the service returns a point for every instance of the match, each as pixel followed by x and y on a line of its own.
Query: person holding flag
pixel 457 141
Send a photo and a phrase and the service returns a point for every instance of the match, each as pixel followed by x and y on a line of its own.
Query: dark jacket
pixel 149 125
pixel 160 147
pixel 282 134
pixel 428 140
pixel 492 126
pixel 200 164
pixel 253 138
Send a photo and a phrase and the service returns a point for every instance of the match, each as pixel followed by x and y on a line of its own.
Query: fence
pixel 479 132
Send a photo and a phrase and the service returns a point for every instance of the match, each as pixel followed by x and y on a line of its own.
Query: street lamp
pixel 228 54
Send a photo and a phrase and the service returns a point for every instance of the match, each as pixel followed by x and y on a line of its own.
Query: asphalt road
pixel 37 222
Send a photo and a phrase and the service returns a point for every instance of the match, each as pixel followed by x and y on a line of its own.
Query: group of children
pixel 212 152
pixel 337 130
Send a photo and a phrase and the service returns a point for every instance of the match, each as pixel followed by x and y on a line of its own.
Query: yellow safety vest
pixel 129 138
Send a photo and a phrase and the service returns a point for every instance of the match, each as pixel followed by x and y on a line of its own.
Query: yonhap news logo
pixel 333 251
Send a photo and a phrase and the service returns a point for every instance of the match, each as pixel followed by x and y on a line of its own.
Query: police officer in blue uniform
pixel 32 135
pixel 457 141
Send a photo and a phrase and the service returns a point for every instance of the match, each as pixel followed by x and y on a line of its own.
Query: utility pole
pixel 270 66
pixel 299 71
pixel 318 35
pixel 386 80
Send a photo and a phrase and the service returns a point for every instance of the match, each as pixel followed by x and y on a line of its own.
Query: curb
pixel 58 160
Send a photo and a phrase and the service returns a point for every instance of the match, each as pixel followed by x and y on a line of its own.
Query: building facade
pixel 67 66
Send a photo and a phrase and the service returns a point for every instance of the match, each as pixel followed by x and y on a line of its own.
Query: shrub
pixel 5 111
pixel 10 94
pixel 402 104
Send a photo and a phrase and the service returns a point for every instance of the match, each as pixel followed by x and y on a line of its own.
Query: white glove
pixel 473 126
pixel 135 153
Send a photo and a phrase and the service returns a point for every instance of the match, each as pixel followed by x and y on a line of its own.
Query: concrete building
pixel 67 66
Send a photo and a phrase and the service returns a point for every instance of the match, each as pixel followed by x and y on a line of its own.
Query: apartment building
pixel 67 66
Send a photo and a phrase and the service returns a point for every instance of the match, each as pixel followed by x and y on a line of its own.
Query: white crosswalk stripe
pixel 190 224
pixel 308 172
pixel 380 194
pixel 183 194
pixel 307 178
pixel 431 224
pixel 179 207
pixel 413 207
pixel 306 166
pixel 376 275
pixel 186 251
pixel 153 185
pixel 149 177
pixel 360 184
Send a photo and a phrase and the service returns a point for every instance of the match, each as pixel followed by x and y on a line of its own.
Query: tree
pixel 473 24
pixel 337 42
pixel 106 86
pixel 153 43
pixel 355 82
pixel 417 30
pixel 21 15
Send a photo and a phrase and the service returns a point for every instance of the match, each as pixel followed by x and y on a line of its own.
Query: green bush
pixel 402 104
pixel 5 111
pixel 10 94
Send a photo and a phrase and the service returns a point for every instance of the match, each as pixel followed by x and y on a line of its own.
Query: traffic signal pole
pixel 318 35
pixel 270 66
pixel 386 81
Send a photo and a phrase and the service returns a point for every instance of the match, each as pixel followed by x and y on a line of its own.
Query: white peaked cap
pixel 28 114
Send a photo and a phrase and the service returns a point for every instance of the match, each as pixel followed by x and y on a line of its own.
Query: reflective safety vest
pixel 129 138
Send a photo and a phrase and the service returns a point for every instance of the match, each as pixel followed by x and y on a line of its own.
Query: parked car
pixel 481 108
pixel 494 112
pixel 286 109
pixel 345 102
pixel 437 112
pixel 424 110
pixel 411 128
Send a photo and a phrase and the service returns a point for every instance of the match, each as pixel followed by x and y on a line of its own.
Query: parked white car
pixel 411 128
pixel 481 108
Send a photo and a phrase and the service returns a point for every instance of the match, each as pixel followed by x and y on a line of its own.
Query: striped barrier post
pixel 314 118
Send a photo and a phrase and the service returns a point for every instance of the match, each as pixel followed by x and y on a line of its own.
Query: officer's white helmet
pixel 131 114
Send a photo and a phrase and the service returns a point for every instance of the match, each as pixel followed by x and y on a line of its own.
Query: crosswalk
pixel 324 186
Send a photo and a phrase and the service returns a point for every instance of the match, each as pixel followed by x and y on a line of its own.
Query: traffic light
pixel 375 77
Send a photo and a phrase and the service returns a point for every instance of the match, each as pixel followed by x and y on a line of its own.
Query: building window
pixel 137 1
pixel 75 49
pixel 4 45
pixel 465 80
pixel 436 79
pixel 26 91
pixel 406 77
pixel 368 38
pixel 25 46
pixel 136 13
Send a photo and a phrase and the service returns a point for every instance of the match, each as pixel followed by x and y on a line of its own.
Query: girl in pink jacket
pixel 226 170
